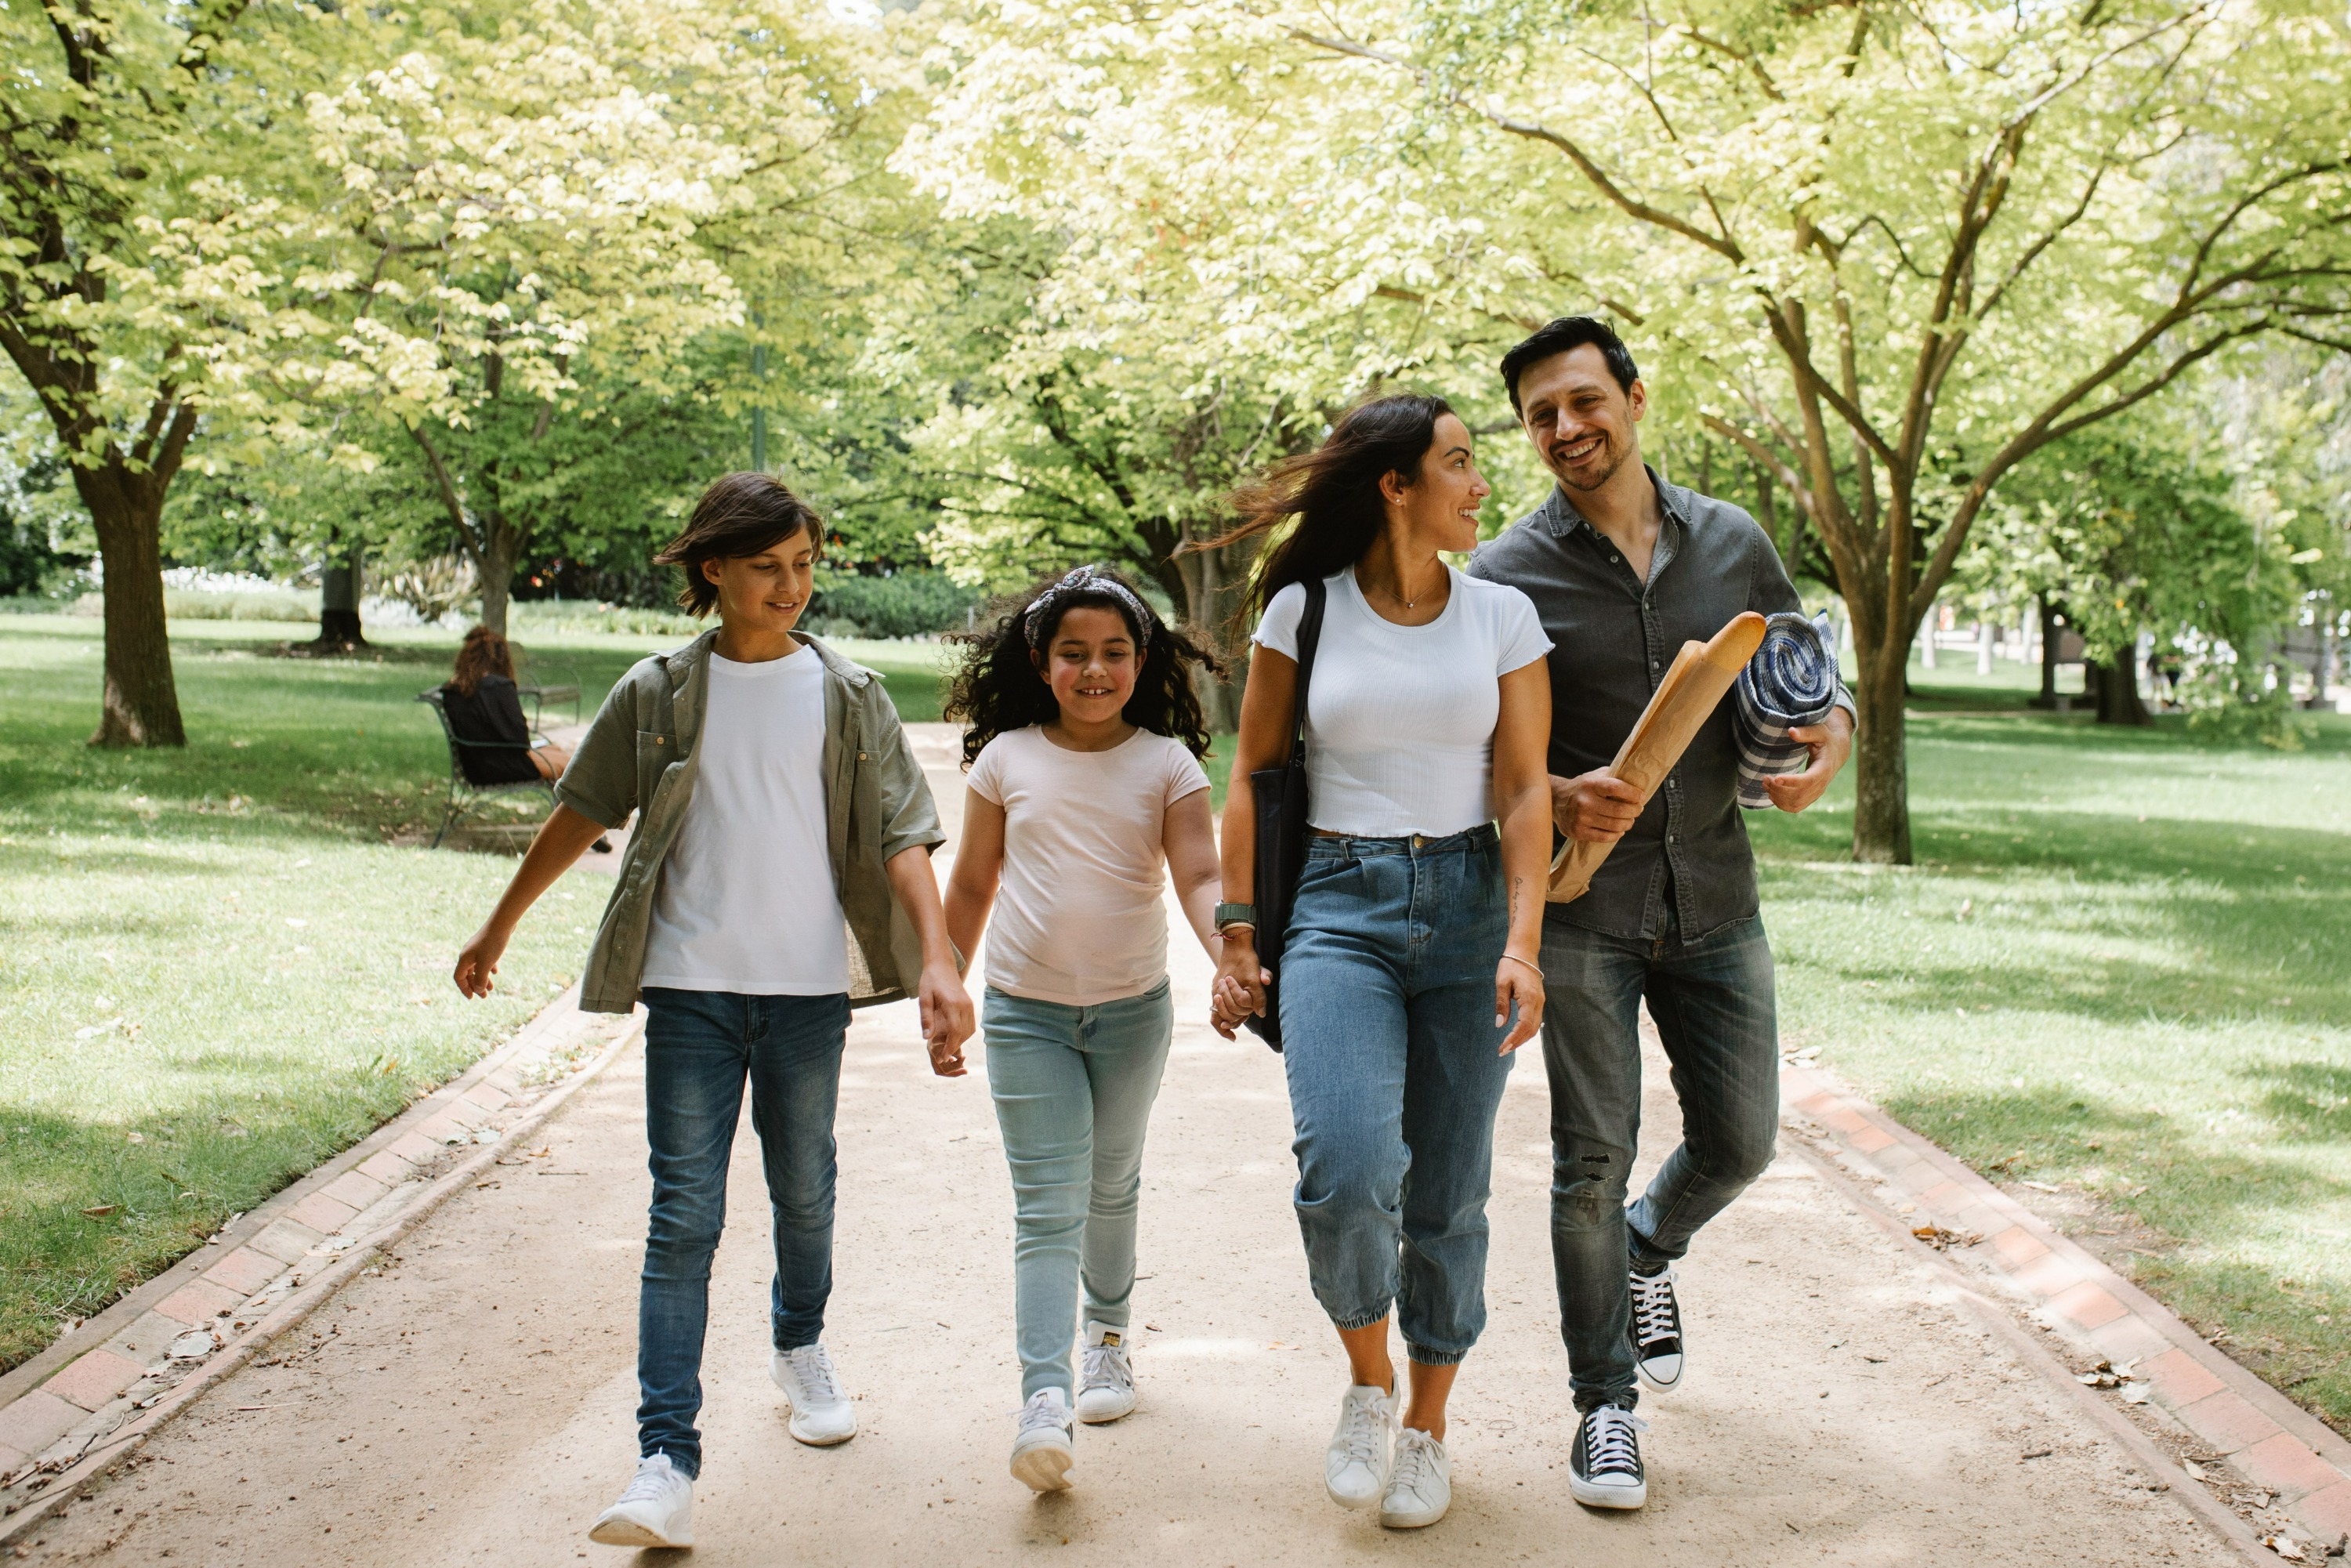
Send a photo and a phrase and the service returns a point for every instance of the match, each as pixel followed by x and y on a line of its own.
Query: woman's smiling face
pixel 1442 502
pixel 1090 664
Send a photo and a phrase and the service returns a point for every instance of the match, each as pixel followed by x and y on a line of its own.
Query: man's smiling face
pixel 1581 421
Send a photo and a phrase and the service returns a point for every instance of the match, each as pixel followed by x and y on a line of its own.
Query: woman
pixel 1086 793
pixel 1427 719
pixel 485 709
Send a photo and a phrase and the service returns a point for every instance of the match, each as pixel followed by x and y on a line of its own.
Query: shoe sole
pixel 629 1532
pixel 1412 1520
pixel 820 1439
pixel 1045 1467
pixel 1618 1496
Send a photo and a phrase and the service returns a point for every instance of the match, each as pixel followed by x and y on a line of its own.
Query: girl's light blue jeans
pixel 1073 1088
pixel 1396 1074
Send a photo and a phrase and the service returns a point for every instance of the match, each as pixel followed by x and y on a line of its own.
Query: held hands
pixel 1594 808
pixel 1518 980
pixel 946 1018
pixel 478 960
pixel 1831 742
pixel 1238 992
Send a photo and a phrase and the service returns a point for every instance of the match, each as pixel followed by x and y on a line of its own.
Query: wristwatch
pixel 1235 914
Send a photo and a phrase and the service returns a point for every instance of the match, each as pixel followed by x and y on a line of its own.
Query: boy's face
pixel 1091 664
pixel 765 593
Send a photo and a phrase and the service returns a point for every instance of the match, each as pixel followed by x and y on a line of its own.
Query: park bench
pixel 464 793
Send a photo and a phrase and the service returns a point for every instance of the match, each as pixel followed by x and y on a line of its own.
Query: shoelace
pixel 1609 1445
pixel 649 1485
pixel 1415 1458
pixel 812 1364
pixel 1043 1411
pixel 1368 1426
pixel 1105 1367
pixel 1653 1307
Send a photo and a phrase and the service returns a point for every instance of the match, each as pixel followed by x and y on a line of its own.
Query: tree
pixel 1892 252
pixel 154 219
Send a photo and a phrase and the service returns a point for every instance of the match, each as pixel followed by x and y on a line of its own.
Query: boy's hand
pixel 478 960
pixel 946 1018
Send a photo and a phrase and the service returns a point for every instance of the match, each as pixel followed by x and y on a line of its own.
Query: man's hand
pixel 1594 808
pixel 946 1018
pixel 1831 742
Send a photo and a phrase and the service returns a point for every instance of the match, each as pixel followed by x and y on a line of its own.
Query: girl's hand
pixel 478 960
pixel 947 1016
pixel 1242 980
pixel 1518 980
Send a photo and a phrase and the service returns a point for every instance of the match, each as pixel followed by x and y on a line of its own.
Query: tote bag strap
pixel 1310 638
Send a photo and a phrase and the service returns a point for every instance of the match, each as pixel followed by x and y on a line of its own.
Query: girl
pixel 1427 718
pixel 485 709
pixel 1084 779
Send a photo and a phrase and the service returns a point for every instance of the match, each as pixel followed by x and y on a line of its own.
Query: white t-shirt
pixel 1400 719
pixel 1078 914
pixel 747 902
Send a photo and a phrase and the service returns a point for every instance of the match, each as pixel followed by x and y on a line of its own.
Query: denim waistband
pixel 1483 836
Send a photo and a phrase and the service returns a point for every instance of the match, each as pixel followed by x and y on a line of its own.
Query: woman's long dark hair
pixel 484 653
pixel 999 687
pixel 1332 493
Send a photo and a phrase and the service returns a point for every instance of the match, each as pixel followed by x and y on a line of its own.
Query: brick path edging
pixel 80 1407
pixel 2272 1441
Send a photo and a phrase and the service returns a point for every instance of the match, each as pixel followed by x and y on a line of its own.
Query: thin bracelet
pixel 1514 958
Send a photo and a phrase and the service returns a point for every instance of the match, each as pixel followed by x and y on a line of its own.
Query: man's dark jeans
pixel 1713 1006
pixel 700 1048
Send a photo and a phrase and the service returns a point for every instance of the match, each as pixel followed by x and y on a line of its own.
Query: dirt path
pixel 473 1401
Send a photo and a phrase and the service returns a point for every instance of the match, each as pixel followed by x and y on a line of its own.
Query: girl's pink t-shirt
pixel 1078 914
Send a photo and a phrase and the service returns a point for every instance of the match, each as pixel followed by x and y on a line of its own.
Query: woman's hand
pixel 1238 991
pixel 1518 980
pixel 478 959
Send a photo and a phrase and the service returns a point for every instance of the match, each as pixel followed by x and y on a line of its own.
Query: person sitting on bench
pixel 485 709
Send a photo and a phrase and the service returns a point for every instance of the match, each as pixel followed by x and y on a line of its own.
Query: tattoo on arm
pixel 1517 891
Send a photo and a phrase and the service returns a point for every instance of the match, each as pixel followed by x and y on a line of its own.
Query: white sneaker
pixel 1043 1446
pixel 821 1415
pixel 1420 1483
pixel 1106 1380
pixel 656 1511
pixel 1355 1470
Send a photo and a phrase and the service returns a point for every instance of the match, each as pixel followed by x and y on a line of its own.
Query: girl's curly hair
pixel 999 689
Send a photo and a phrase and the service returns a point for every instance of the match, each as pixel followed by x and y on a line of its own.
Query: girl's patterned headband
pixel 1089 579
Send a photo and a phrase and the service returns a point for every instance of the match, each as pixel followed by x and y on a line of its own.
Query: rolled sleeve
pixel 600 782
pixel 910 818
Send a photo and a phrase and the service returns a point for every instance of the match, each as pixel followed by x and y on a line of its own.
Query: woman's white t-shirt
pixel 1400 719
pixel 1078 916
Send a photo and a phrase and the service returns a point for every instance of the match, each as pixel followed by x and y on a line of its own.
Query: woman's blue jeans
pixel 701 1047
pixel 1396 1074
pixel 1713 1006
pixel 1074 1087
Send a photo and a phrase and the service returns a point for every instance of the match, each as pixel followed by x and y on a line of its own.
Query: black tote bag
pixel 1282 830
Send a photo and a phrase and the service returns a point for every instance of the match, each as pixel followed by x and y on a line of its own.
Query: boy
pixel 779 874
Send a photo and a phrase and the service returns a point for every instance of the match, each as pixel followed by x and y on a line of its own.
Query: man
pixel 1624 568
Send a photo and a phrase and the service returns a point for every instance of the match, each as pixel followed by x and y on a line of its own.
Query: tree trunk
pixel 498 570
pixel 339 606
pixel 1881 816
pixel 2049 642
pixel 1210 589
pixel 141 701
pixel 2115 685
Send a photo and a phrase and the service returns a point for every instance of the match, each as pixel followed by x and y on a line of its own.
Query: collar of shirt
pixel 1562 518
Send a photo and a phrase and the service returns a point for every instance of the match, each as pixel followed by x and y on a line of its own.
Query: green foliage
pixel 913 603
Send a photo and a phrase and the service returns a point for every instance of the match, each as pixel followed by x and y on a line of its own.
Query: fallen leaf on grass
pixel 101 1210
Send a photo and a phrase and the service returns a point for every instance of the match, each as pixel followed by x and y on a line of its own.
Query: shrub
pixel 919 602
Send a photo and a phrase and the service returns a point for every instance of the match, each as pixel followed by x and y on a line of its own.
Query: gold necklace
pixel 1413 603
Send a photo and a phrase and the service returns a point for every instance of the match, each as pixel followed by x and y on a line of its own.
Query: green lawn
pixel 2122 969
pixel 217 967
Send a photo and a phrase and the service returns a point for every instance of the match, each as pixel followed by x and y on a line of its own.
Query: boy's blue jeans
pixel 1713 1006
pixel 701 1047
pixel 1396 1074
pixel 1074 1087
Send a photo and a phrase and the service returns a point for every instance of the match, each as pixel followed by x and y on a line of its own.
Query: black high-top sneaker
pixel 1657 1330
pixel 1603 1469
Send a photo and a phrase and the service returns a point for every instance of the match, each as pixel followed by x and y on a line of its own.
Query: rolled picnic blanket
pixel 1790 681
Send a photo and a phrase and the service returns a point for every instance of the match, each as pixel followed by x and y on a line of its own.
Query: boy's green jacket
pixel 638 756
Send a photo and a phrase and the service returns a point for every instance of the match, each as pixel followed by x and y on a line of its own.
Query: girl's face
pixel 765 593
pixel 1091 664
pixel 1441 506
